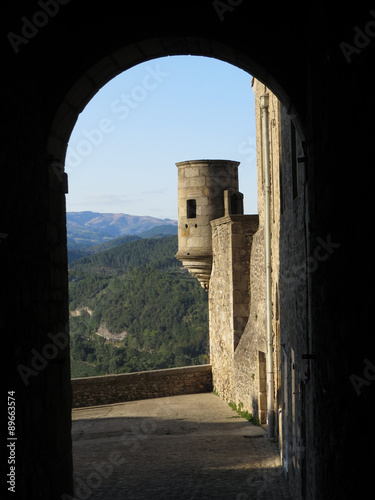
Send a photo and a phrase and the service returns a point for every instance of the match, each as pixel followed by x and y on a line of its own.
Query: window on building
pixel 191 208
pixel 236 204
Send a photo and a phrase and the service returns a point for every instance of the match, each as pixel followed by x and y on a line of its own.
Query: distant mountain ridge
pixel 85 229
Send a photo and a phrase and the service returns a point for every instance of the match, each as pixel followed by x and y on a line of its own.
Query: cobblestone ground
pixel 184 447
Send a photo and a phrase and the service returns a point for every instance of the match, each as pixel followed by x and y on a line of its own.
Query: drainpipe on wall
pixel 264 101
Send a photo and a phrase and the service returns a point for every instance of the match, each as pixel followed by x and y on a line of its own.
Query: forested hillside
pixel 79 247
pixel 149 311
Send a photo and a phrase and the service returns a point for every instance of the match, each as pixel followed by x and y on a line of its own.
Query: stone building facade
pixel 246 364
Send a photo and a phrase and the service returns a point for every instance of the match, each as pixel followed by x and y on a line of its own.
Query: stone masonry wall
pixel 109 389
pixel 290 269
pixel 253 340
pixel 239 368
pixel 229 296
pixel 220 310
pixel 295 269
pixel 276 151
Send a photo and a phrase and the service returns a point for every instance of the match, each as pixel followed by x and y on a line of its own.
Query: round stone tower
pixel 207 190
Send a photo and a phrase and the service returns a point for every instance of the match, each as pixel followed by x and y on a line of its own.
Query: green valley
pixel 133 307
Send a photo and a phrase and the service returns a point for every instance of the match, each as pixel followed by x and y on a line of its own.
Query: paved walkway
pixel 183 447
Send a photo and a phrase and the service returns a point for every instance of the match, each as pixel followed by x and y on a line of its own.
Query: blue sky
pixel 123 149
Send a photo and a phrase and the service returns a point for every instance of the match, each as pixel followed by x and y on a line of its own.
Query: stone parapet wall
pixel 109 389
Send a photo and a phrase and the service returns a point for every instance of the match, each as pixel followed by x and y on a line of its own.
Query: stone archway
pixel 60 65
pixel 93 79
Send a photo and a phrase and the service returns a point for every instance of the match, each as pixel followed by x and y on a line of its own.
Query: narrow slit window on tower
pixel 191 208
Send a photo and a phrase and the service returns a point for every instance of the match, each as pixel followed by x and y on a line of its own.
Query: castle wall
pixel 240 368
pixel 229 296
pixel 293 289
pixel 220 310
pixel 109 389
pixel 290 268
pixel 257 268
pixel 253 340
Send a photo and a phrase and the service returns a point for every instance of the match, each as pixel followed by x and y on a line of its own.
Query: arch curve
pixel 108 67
